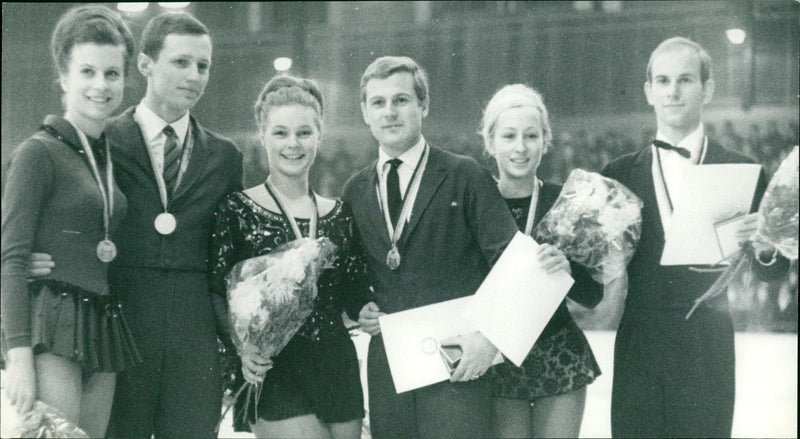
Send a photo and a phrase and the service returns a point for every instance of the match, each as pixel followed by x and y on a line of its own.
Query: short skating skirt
pixel 86 327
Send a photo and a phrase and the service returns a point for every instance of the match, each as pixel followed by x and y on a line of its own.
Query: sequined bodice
pixel 245 229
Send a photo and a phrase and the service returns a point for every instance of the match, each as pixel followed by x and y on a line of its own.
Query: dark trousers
pixel 673 377
pixel 443 410
pixel 176 392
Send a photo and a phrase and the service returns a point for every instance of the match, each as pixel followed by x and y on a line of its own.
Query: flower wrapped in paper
pixel 778 215
pixel 778 219
pixel 596 222
pixel 46 421
pixel 271 296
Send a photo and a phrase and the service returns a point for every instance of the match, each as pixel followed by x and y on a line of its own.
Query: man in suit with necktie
pixel 674 377
pixel 174 172
pixel 432 224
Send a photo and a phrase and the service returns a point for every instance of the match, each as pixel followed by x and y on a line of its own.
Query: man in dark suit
pixel 174 173
pixel 674 377
pixel 432 224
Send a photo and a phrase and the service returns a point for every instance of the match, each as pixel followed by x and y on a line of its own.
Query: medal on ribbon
pixel 106 249
pixel 393 258
pixel 312 226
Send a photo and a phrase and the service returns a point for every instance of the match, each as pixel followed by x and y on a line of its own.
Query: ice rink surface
pixel 766 387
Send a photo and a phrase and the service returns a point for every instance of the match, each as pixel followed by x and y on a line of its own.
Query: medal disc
pixel 393 258
pixel 165 223
pixel 106 250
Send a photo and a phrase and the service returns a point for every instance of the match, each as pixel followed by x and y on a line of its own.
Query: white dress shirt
pixel 152 126
pixel 673 165
pixel 405 170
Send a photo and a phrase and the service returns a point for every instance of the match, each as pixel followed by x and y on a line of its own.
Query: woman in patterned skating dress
pixel 545 397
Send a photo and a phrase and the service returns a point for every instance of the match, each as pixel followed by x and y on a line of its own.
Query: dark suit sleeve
pixel 356 290
pixel 488 217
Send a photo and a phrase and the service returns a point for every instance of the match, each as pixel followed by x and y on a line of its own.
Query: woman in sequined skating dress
pixel 312 387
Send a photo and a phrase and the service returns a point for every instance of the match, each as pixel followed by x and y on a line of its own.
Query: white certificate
pixel 411 338
pixel 517 299
pixel 711 201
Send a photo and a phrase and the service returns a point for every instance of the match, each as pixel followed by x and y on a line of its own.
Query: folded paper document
pixel 517 299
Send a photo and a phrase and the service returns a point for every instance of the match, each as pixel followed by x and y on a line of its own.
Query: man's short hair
pixel 705 59
pixel 386 66
pixel 168 23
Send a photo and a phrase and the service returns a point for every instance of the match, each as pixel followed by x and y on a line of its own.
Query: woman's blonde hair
pixel 514 96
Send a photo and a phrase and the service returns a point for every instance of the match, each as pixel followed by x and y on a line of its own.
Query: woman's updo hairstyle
pixel 514 96
pixel 288 90
pixel 89 24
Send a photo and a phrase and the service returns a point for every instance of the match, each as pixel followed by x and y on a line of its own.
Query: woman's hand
pixel 478 355
pixel 368 319
pixel 20 379
pixel 254 367
pixel 552 259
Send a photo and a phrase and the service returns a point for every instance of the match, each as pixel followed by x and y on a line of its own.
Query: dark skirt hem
pixel 557 365
pixel 85 327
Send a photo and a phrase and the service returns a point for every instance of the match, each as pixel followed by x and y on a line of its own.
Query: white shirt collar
pixel 693 142
pixel 153 125
pixel 410 157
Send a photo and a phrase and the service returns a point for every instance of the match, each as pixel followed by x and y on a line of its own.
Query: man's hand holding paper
pixel 413 337
pixel 710 220
pixel 368 318
pixel 477 357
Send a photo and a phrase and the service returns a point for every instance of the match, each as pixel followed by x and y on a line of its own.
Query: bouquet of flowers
pixel 271 296
pixel 596 222
pixel 46 421
pixel 778 218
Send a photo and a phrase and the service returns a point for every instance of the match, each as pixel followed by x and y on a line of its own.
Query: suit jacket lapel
pixel 370 210
pixel 432 178
pixel 714 154
pixel 643 176
pixel 133 146
pixel 198 160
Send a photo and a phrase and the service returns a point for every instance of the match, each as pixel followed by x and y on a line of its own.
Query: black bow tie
pixel 664 145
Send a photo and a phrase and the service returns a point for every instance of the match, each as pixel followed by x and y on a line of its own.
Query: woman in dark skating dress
pixel 546 396
pixel 312 387
pixel 63 336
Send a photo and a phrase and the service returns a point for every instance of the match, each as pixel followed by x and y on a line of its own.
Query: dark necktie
pixel 664 145
pixel 172 159
pixel 394 199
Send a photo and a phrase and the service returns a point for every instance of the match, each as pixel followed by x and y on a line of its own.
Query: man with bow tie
pixel 674 377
